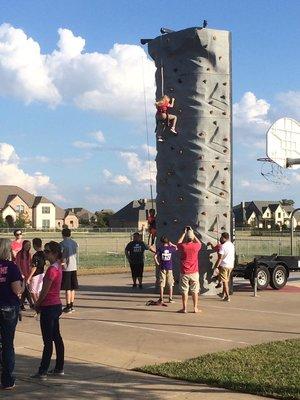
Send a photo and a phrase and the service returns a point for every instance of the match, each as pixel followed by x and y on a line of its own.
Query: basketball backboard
pixel 283 142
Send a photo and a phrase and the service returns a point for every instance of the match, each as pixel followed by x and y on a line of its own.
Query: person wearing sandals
pixel 50 308
pixel 11 288
pixel 163 259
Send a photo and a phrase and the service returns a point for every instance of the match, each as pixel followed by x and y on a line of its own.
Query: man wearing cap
pixel 189 246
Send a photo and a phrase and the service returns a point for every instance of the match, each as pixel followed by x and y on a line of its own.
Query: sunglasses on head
pixel 18 233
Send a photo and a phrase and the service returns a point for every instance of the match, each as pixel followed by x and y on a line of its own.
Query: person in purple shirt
pixel 11 288
pixel 163 259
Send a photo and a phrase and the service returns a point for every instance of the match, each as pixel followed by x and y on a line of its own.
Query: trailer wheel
pixel 279 277
pixel 263 278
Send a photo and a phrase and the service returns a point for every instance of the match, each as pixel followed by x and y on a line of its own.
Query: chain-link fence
pixel 106 249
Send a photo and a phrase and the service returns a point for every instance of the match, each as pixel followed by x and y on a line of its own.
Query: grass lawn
pixel 271 369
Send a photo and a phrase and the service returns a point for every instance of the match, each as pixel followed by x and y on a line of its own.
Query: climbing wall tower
pixel 194 168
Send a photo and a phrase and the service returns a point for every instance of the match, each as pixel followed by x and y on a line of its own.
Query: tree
pixel 103 218
pixel 22 221
pixel 287 202
pixel 3 224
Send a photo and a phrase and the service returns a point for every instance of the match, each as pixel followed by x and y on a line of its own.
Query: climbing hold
pixel 171 89
pixel 207 69
pixel 225 139
pixel 210 102
pixel 180 110
pixel 170 173
pixel 217 202
pixel 172 148
pixel 223 228
pixel 226 169
pixel 224 83
pixel 201 169
pixel 201 134
pixel 211 112
pixel 213 166
pixel 225 215
pixel 204 46
pixel 214 38
pixel 223 182
pixel 180 151
pixel 223 97
pixel 203 213
pixel 217 158
pixel 179 80
pixel 220 57
pixel 215 123
pixel 221 194
pixel 175 220
pixel 163 202
pixel 206 197
pixel 180 198
pixel 224 151
pixel 204 81
pixel 200 157
pixel 224 112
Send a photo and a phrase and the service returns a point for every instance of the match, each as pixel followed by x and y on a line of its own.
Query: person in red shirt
pixel 50 307
pixel 16 245
pixel 162 113
pixel 151 226
pixel 189 246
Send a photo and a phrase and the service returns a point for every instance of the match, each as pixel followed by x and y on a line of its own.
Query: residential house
pixel 133 215
pixel 84 216
pixel 264 214
pixel 37 211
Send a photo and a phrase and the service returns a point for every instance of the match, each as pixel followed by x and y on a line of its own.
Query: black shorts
pixel 137 270
pixel 69 280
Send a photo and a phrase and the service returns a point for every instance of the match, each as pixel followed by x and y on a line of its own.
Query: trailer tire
pixel 263 277
pixel 279 277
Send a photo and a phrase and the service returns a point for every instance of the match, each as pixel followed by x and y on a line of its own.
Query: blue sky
pixel 72 122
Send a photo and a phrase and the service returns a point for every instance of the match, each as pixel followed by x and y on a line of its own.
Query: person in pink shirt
pixel 189 246
pixel 50 307
pixel 16 245
pixel 23 261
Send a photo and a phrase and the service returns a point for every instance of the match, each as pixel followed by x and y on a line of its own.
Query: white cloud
pixel 152 149
pixel 99 136
pixel 140 170
pixel 86 145
pixel 23 69
pixel 116 179
pixel 12 174
pixel 290 103
pixel 251 112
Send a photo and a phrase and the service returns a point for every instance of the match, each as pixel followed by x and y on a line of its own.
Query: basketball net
pixel 273 172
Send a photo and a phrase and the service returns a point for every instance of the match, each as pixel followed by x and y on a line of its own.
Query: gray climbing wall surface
pixel 194 168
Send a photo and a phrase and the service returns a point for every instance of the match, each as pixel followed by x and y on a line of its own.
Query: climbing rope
pixel 147 133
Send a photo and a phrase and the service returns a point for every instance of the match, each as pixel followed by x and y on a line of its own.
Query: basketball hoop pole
pixel 292 161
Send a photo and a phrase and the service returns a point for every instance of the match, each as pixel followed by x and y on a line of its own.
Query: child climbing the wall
pixel 162 113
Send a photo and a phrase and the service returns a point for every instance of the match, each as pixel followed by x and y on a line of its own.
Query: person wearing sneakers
pixel 69 280
pixel 189 246
pixel 163 259
pixel 225 263
pixel 162 114
pixel 49 306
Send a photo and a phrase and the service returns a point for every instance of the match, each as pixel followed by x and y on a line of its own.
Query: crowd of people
pixel 188 246
pixel 39 280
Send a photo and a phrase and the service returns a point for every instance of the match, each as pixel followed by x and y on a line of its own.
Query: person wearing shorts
pixel 225 263
pixel 134 252
pixel 163 259
pixel 189 246
pixel 35 279
pixel 69 263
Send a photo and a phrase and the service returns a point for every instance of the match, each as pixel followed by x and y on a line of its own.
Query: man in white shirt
pixel 225 263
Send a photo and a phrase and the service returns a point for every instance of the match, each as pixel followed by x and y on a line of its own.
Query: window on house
pixel 58 224
pixel 279 215
pixel 268 215
pixel 46 223
pixel 45 210
pixel 71 223
pixel 20 208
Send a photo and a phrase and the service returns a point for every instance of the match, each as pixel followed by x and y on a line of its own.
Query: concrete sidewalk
pixel 113 331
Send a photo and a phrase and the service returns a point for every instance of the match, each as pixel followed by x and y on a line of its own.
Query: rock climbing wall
pixel 194 168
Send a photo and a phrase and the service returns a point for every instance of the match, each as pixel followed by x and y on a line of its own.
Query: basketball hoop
pixel 283 151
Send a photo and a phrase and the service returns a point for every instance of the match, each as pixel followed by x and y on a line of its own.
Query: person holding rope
pixel 162 114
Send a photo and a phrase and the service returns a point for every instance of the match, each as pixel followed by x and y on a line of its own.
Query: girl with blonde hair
pixel 162 113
